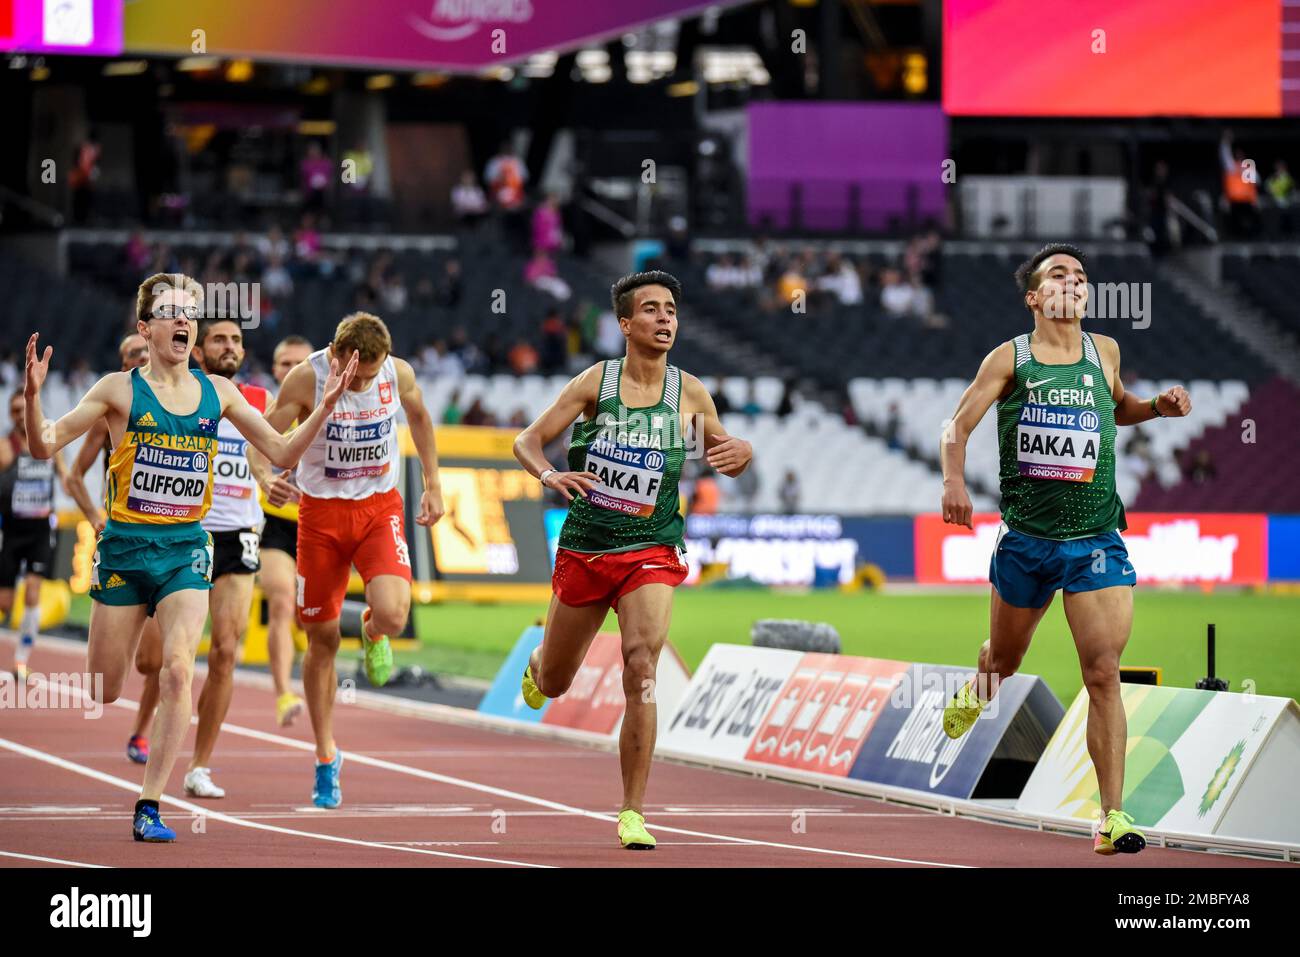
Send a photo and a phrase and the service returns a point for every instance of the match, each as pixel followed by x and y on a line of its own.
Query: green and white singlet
pixel 638 454
pixel 1056 447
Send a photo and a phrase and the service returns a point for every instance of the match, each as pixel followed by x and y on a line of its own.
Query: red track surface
pixel 443 795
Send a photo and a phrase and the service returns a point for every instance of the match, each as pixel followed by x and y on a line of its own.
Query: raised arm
pixel 421 425
pixel 991 382
pixel 725 453
pixel 45 438
pixel 282 451
pixel 577 397
pixel 1130 409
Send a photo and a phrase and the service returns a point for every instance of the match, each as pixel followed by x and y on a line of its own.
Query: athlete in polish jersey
pixel 1060 398
pixel 134 352
pixel 153 555
pixel 233 521
pixel 621 546
pixel 351 513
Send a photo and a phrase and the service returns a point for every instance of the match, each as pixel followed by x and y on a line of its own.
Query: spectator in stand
pixel 468 201
pixel 471 357
pixel 793 283
pixel 523 358
pixel 359 167
pixel 548 226
pixel 83 176
pixel 1281 190
pixel 453 413
pixel 1158 213
pixel 842 281
pixel 9 374
pixel 1199 469
pixel 786 405
pixel 427 359
pixel 554 354
pixel 706 496
pixel 276 281
pixel 1240 192
pixel 789 493
pixel 519 419
pixel 506 177
pixel 314 174
pixel 610 341
pixel 897 297
pixel 478 415
pixel 677 247
pixel 494 351
pixel 138 253
pixel 540 273
pixel 446 364
pixel 894 428
pixel 274 243
pixel 450 286
pixel 751 407
pixel 1139 460
pixel 306 243
pixel 744 488
pixel 394 292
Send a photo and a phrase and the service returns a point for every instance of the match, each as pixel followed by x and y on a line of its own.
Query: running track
pixel 419 792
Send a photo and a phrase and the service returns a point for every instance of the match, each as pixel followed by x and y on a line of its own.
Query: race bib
pixel 168 482
pixel 231 476
pixel 630 478
pixel 357 451
pixel 33 488
pixel 1058 442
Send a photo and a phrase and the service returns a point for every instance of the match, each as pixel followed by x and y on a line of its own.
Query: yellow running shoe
pixel 533 696
pixel 632 833
pixel 962 712
pixel 287 707
pixel 1117 835
pixel 21 672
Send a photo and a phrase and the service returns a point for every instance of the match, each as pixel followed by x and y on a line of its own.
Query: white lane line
pixel 50 860
pixel 359 758
pixel 134 788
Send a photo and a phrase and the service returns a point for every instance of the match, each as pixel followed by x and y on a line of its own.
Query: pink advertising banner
pixel 452 34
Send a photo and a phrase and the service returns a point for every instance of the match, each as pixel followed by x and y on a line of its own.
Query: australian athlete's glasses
pixel 168 311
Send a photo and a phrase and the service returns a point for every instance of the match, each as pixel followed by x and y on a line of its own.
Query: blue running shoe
pixel 327 792
pixel 137 749
pixel 149 827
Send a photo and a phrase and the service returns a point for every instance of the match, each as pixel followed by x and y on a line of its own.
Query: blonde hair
pixel 159 283
pixel 364 333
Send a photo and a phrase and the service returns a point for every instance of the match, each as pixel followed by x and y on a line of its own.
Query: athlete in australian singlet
pixel 154 554
pixel 1060 398
pixel 621 544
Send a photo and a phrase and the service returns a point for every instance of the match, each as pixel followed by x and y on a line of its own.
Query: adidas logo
pixel 114 581
pixel 146 420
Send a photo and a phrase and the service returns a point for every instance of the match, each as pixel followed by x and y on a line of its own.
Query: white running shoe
pixel 198 783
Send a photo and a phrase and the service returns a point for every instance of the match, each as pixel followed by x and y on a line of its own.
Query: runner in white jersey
pixel 233 520
pixel 280 556
pixel 351 514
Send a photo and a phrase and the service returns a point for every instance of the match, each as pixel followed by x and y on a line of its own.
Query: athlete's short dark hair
pixel 292 340
pixel 205 326
pixel 621 293
pixel 1027 277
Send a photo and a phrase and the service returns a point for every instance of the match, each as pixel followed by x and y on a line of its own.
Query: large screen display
pixel 61 26
pixel 1112 57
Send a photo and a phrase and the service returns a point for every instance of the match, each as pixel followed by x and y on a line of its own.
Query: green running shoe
pixel 379 655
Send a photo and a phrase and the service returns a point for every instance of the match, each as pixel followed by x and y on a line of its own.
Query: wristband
pixel 1155 408
pixel 545 472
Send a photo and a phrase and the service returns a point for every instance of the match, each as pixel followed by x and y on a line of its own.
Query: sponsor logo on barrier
pixel 729 696
pixel 1203 548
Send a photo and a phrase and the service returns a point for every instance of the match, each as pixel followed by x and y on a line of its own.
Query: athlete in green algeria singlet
pixel 621 545
pixel 1059 398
